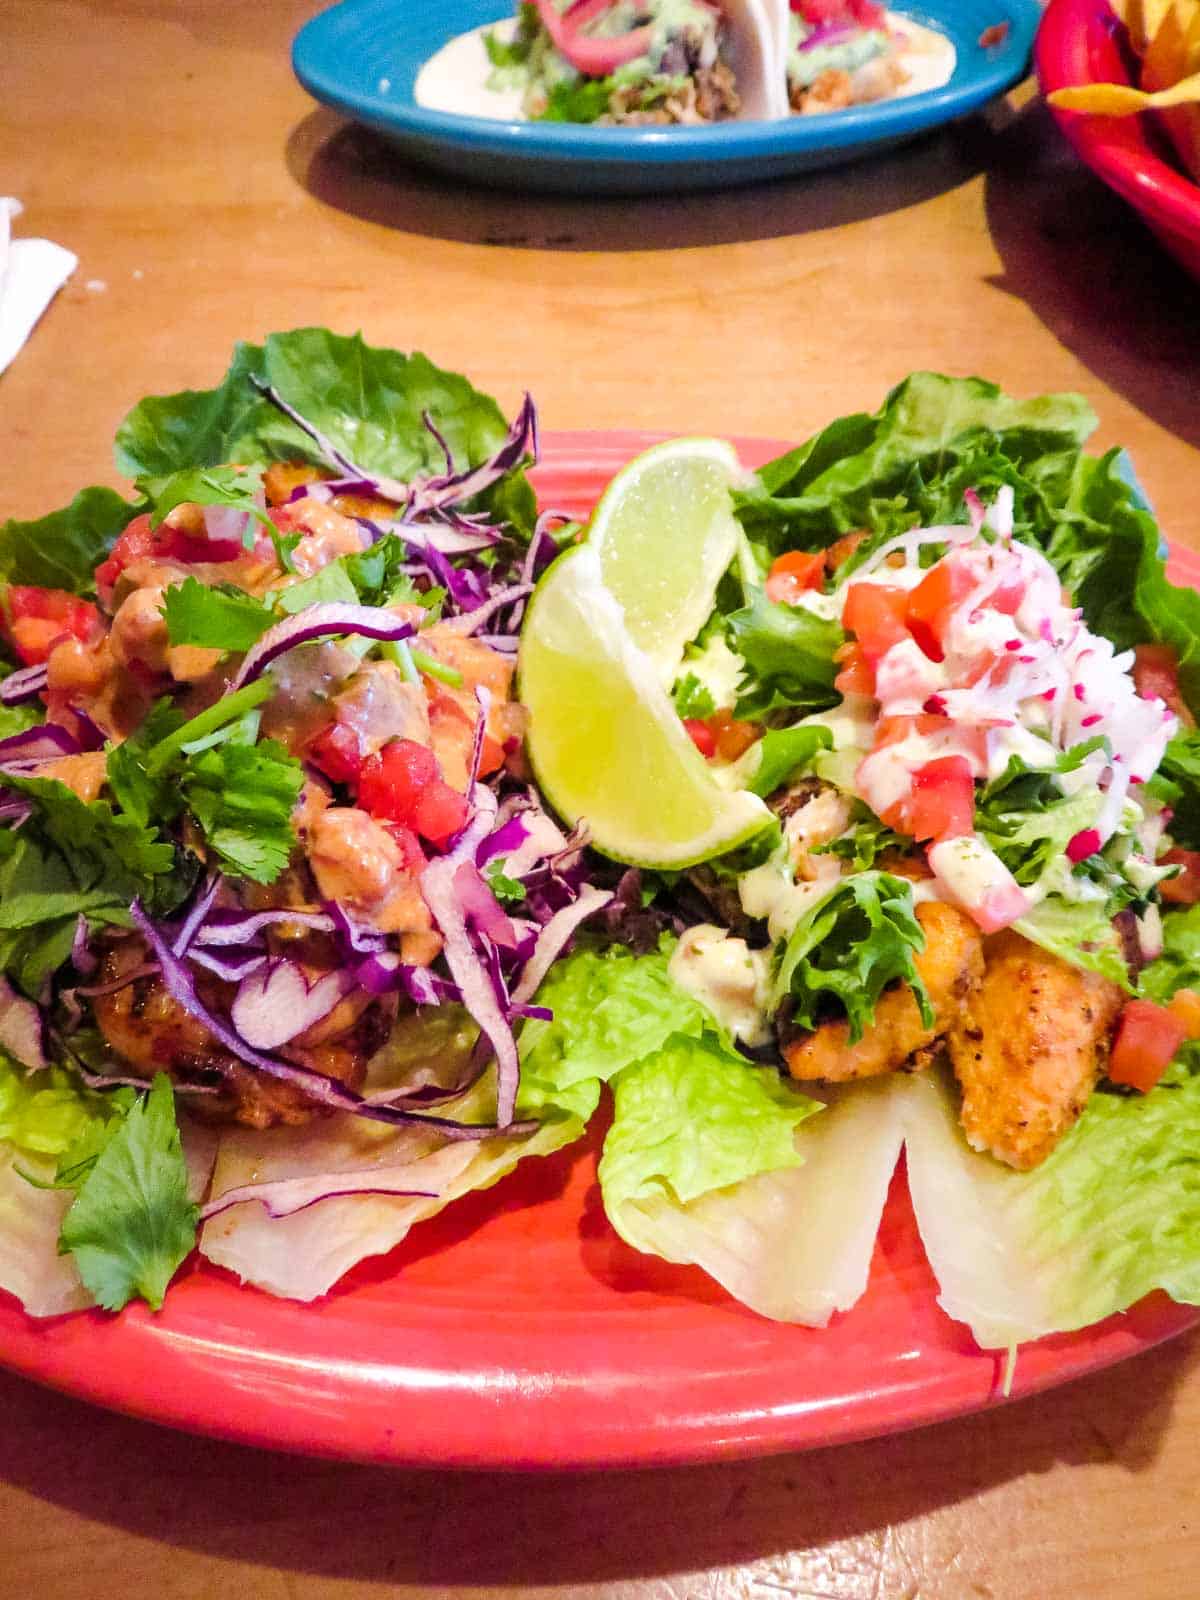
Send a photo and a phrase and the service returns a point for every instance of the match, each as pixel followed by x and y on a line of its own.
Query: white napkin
pixel 32 271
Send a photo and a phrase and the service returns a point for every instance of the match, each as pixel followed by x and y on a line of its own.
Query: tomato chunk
pixel 1183 890
pixel 1147 1037
pixel 403 783
pixel 733 738
pixel 875 613
pixel 929 604
pixel 857 676
pixel 337 752
pixel 794 573
pixel 1185 1008
pixel 36 619
pixel 701 736
pixel 942 805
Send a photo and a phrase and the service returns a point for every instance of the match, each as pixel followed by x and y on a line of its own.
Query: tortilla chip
pixel 1166 35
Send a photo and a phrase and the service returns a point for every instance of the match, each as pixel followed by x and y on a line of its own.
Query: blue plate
pixel 363 56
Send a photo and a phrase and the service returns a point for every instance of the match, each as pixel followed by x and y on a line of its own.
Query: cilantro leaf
pixel 862 936
pixel 131 1223
pixel 215 618
pixel 692 698
pixel 235 487
pixel 509 891
pixel 243 797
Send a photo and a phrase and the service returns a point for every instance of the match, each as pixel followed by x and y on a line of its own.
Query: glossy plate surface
pixel 1080 41
pixel 516 1330
pixel 363 56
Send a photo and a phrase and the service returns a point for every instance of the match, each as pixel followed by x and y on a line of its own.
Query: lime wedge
pixel 665 532
pixel 604 739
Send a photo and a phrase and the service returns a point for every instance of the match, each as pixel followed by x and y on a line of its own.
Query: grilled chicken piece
pixel 951 966
pixel 1028 1049
pixel 153 1033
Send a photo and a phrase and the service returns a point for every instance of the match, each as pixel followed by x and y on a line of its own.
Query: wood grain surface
pixel 167 144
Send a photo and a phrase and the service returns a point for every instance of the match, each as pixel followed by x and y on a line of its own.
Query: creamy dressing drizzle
pixel 456 78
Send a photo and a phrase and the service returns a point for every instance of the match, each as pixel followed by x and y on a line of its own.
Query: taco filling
pixel 635 62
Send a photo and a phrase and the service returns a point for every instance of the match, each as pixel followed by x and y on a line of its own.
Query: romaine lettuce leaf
pixel 785 1213
pixel 788 654
pixel 303 1255
pixel 611 1008
pixel 368 402
pixel 1178 967
pixel 909 464
pixel 693 1117
pixel 63 549
pixel 1113 1213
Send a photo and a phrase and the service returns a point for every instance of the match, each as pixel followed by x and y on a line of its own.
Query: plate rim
pixel 212 1376
pixel 552 143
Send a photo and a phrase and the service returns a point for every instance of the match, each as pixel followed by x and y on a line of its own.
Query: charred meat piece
pixel 1028 1049
pixel 951 966
pixel 152 1032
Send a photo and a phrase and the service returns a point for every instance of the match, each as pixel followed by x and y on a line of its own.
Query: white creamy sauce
pixel 728 978
pixel 456 78
pixel 926 55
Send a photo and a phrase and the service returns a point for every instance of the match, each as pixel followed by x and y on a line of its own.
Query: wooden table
pixel 168 145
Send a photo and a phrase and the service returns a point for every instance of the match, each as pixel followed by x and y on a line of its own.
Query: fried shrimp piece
pixel 951 966
pixel 1029 1048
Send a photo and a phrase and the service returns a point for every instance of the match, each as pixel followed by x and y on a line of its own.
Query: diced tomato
pixel 794 573
pixel 403 783
pixel 439 812
pixel 1156 677
pixel 391 781
pixel 842 549
pixel 701 736
pixel 1147 1037
pixel 1183 890
pixel 938 592
pixel 875 614
pixel 337 752
pixel 857 676
pixel 138 541
pixel 733 738
pixel 36 619
pixel 942 803
pixel 1185 1008
pixel 491 757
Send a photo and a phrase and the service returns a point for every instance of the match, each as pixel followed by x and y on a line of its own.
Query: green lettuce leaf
pixel 1079 932
pixel 788 654
pixel 368 402
pixel 693 1117
pixel 783 752
pixel 1113 1213
pixel 63 549
pixel 611 1008
pixel 792 1242
pixel 50 1112
pixel 131 1223
pixel 909 464
pixel 1178 967
pixel 848 947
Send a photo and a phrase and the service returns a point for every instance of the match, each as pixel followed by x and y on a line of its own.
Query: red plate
pixel 516 1330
